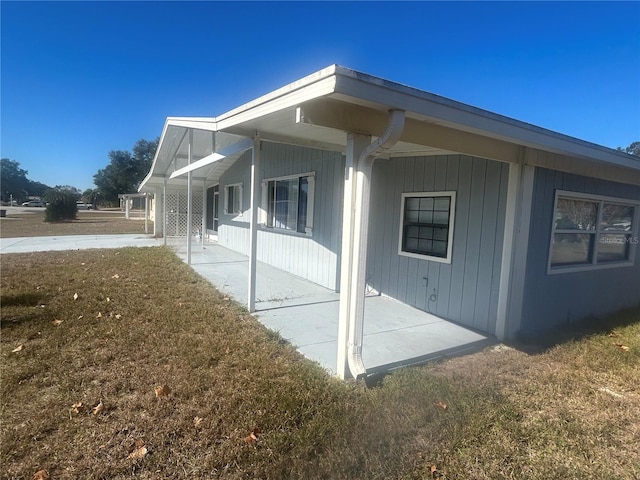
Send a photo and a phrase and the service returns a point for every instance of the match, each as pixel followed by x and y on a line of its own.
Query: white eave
pixel 318 109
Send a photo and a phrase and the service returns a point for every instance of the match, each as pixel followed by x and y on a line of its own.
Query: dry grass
pixel 89 222
pixel 143 319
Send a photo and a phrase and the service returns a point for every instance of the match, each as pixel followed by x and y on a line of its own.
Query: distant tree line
pixel 15 184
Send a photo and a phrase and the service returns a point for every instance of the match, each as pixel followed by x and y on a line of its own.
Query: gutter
pixel 363 170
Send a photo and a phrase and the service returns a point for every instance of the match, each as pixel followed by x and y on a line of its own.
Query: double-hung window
pixel 426 226
pixel 288 203
pixel 233 199
pixel 592 231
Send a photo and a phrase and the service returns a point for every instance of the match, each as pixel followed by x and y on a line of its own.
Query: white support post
pixel 126 208
pixel 253 226
pixel 146 213
pixel 514 249
pixel 156 210
pixel 164 211
pixel 356 144
pixel 204 212
pixel 189 199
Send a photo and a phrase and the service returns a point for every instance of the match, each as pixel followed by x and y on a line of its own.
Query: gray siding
pixel 560 299
pixel 465 291
pixel 314 258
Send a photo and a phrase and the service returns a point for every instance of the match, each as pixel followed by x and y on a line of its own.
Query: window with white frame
pixel 233 199
pixel 288 203
pixel 591 231
pixel 426 227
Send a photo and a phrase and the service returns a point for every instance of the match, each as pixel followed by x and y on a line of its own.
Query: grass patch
pixel 143 319
pixel 88 222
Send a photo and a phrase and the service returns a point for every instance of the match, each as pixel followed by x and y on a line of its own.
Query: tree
pixel 15 183
pixel 633 149
pixel 126 170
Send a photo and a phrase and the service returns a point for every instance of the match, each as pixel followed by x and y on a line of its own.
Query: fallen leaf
pixel 19 348
pixel 98 408
pixel 43 306
pixel 82 263
pixel 252 437
pixel 118 316
pixel 41 475
pixel 80 317
pixel 613 335
pixel 77 407
pixel 197 421
pixel 99 315
pixel 441 404
pixel 162 391
pixel 116 276
pixel 58 322
pixel 138 450
pixel 108 299
pixel 623 347
pixel 434 470
pixel 75 296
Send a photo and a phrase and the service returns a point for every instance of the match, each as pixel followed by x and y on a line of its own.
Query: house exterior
pixel 361 185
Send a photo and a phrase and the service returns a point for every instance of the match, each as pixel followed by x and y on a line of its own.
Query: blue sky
pixel 82 78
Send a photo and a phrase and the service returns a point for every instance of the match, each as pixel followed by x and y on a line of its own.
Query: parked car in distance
pixel 84 206
pixel 33 203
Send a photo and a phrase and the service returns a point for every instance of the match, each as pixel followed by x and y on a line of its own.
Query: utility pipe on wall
pixel 357 282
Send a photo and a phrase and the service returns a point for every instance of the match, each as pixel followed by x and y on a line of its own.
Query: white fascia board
pixel 204 123
pixel 270 104
pixel 244 144
pixel 352 85
pixel 155 157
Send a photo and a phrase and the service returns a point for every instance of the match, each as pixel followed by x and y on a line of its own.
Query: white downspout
pixel 361 228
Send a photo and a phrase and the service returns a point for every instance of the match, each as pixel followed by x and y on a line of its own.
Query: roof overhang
pixel 318 110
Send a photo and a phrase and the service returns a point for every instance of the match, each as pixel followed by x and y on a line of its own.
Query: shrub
pixel 61 205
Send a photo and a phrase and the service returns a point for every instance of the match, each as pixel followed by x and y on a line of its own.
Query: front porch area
pixel 306 314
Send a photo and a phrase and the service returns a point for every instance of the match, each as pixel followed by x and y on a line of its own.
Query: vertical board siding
pixel 313 258
pixel 466 290
pixel 561 299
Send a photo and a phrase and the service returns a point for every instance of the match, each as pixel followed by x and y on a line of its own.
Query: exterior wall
pixel 314 258
pixel 560 299
pixel 465 291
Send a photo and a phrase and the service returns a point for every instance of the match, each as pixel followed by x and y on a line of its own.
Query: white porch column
pixel 164 211
pixel 204 213
pixel 156 211
pixel 514 249
pixel 253 225
pixel 146 212
pixel 126 208
pixel 356 144
pixel 189 199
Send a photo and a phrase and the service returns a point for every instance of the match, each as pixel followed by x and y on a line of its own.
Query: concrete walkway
pixel 305 314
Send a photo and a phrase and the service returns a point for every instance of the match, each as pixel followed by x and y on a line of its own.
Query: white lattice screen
pixel 177 213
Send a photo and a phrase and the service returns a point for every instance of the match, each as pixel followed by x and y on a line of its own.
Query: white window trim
pixel 311 176
pixel 452 211
pixel 600 199
pixel 226 199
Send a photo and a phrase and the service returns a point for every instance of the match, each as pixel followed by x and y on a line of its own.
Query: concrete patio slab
pixel 306 314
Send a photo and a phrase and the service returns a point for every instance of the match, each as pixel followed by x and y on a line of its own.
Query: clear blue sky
pixel 82 78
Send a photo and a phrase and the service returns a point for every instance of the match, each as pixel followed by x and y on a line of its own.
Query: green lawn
pixel 244 404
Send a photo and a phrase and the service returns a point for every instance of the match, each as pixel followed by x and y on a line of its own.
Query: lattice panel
pixel 177 213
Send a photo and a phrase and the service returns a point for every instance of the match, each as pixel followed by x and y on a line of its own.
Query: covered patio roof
pixel 318 110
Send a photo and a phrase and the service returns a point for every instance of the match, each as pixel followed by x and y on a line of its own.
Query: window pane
pixel 230 200
pixel 412 203
pixel 426 225
pixel 441 203
pixel 576 214
pixel 441 218
pixel 617 217
pixel 571 248
pixel 426 203
pixel 613 248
